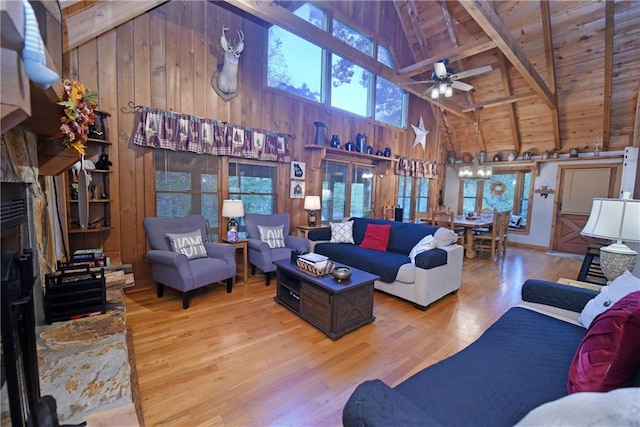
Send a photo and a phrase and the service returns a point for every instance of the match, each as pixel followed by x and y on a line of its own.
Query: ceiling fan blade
pixel 441 69
pixel 461 86
pixel 472 72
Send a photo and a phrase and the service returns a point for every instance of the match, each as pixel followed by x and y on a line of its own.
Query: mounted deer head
pixel 226 84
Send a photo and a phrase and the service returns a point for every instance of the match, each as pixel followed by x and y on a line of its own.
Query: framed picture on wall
pixel 297 189
pixel 298 170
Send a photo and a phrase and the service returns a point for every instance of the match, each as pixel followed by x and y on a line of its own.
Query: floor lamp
pixel 619 220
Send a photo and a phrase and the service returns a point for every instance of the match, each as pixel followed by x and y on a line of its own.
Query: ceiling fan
pixel 445 80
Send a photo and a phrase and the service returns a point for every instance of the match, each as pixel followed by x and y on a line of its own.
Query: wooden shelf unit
pixel 99 201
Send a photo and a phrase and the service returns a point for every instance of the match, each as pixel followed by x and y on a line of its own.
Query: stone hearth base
pixel 85 366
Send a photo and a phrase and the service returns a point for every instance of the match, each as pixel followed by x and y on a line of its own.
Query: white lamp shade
pixel 232 208
pixel 614 219
pixel 312 202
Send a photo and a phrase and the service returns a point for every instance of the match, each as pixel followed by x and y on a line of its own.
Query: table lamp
pixel 619 220
pixel 232 209
pixel 311 203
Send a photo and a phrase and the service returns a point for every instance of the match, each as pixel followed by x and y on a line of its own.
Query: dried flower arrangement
pixel 78 115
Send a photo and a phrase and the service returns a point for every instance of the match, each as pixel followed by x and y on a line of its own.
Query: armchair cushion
pixel 189 244
pixel 272 236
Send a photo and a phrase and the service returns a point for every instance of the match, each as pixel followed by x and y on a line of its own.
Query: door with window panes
pixel 347 190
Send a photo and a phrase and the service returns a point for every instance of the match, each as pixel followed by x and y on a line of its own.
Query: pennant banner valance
pixel 182 132
pixel 417 168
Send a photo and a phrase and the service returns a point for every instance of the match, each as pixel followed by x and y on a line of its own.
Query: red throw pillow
pixel 376 236
pixel 609 354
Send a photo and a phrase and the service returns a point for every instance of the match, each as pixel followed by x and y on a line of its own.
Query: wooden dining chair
pixel 422 217
pixel 442 219
pixel 490 240
pixel 505 218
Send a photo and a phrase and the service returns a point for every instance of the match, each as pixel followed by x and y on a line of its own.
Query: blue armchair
pixel 198 265
pixel 261 255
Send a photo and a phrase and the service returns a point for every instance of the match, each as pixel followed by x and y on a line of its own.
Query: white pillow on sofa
pixel 445 237
pixel 427 243
pixel 342 232
pixel 621 286
pixel 620 407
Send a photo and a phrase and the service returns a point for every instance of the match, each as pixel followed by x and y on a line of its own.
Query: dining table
pixel 469 223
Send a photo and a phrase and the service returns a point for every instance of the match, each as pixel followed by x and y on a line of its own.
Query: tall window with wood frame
pixel 255 184
pixel 330 79
pixel 187 184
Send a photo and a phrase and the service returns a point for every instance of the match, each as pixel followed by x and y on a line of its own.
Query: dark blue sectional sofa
pixel 436 273
pixel 521 362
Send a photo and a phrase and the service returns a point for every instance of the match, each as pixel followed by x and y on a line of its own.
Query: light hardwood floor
pixel 241 359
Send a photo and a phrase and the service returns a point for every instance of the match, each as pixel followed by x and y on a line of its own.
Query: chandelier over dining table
pixel 476 170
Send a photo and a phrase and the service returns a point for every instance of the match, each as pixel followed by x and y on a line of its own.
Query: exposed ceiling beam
pixel 487 19
pixel 400 7
pixel 465 51
pixel 101 17
pixel 447 20
pixel 412 12
pixel 529 96
pixel 551 67
pixel 508 89
pixel 275 14
pixel 608 64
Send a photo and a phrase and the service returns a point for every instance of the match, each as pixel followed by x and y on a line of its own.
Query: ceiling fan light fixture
pixel 448 92
pixel 435 93
pixel 443 88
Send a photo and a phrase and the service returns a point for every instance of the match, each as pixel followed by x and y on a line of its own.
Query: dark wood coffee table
pixel 335 308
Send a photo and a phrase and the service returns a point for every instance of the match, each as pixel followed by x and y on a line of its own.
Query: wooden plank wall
pixel 165 59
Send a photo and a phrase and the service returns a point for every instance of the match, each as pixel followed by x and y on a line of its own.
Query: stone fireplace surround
pixel 86 364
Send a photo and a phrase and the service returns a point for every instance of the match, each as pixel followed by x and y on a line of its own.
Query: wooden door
pixel 577 187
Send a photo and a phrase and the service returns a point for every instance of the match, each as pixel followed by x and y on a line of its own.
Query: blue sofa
pixel 521 362
pixel 436 273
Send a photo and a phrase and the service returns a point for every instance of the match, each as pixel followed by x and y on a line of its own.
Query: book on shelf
pixel 93 257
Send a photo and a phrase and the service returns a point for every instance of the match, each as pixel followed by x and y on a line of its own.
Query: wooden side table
pixel 241 247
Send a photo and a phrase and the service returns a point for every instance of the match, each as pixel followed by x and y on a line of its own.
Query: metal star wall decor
pixel 421 134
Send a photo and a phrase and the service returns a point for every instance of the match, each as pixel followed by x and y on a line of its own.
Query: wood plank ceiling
pixel 552 87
